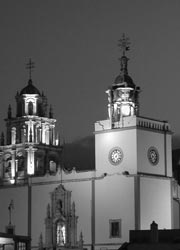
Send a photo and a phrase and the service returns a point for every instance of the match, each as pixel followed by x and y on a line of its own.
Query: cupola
pixel 30 89
pixel 30 101
pixel 123 94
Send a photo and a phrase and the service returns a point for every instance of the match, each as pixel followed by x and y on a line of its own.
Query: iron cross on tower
pixel 124 44
pixel 30 66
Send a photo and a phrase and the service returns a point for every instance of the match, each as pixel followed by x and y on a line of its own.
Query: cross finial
pixel 124 44
pixel 10 207
pixel 30 66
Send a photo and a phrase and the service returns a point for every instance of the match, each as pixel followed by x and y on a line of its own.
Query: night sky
pixel 74 46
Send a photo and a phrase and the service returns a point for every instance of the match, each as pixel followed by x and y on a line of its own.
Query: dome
pixel 126 79
pixel 123 79
pixel 30 89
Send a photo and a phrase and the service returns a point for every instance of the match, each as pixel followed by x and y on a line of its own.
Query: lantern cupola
pixel 123 94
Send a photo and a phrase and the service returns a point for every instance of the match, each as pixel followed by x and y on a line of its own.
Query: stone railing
pixel 152 124
pixel 133 121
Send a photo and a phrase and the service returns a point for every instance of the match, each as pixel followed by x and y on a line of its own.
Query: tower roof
pixel 30 89
pixel 124 80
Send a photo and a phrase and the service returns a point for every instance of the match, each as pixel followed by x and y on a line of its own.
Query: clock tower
pixel 133 153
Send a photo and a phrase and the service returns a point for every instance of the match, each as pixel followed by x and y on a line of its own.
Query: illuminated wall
pixel 114 195
pixel 114 200
pixel 155 202
pixel 134 199
pixel 162 142
pixel 105 142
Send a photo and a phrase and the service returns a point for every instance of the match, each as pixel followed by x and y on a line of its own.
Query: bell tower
pixel 32 146
pixel 133 154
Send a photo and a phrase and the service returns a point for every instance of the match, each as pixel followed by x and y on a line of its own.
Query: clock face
pixel 153 155
pixel 115 156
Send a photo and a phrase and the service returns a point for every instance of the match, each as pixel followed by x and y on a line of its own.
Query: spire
pixel 9 112
pixel 2 139
pixel 50 112
pixel 124 46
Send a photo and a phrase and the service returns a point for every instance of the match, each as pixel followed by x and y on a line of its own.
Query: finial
pixel 124 44
pixel 81 241
pixel 30 66
pixel 9 112
pixel 50 112
pixel 40 242
pixel 10 207
pixel 2 139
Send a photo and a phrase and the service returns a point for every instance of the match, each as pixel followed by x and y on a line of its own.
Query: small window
pixel 21 246
pixel 52 166
pixel 115 228
pixel 20 161
pixel 30 108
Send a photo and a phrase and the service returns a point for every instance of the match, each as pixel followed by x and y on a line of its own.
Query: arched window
pixel 30 108
pixel 60 234
pixel 52 167
pixel 59 206
pixel 23 134
pixel 7 165
pixel 47 135
pixel 20 162
pixel 13 135
pixel 39 164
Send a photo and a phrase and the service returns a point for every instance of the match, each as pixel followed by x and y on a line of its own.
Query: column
pixel 30 160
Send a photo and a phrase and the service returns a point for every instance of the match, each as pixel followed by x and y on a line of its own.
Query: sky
pixel 73 44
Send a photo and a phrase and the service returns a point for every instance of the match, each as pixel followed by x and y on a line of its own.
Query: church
pixel 131 186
